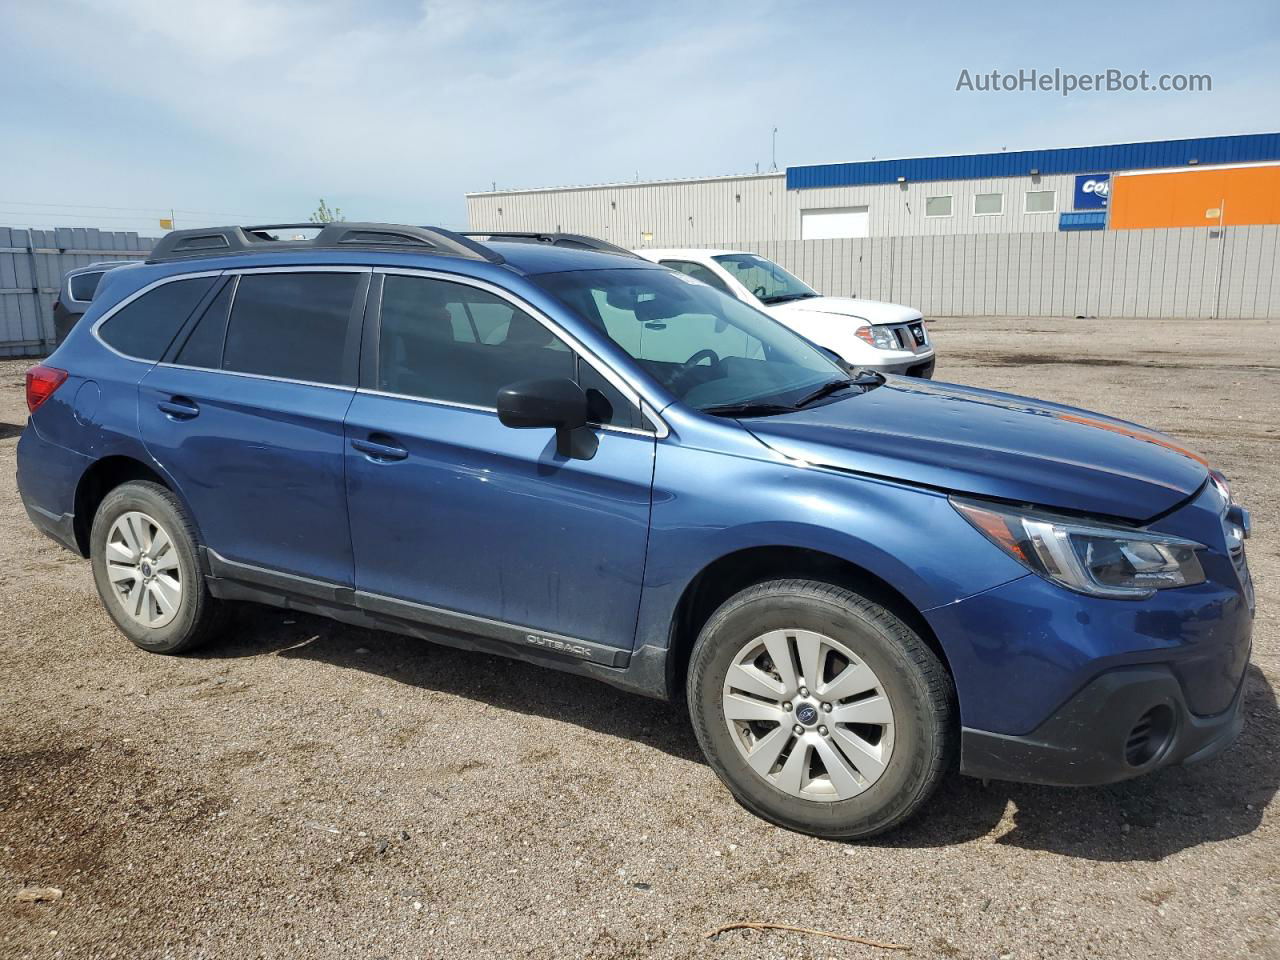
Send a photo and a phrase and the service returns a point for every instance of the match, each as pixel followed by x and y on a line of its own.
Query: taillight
pixel 41 382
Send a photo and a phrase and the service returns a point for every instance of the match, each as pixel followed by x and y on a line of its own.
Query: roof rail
pixel 219 241
pixel 577 240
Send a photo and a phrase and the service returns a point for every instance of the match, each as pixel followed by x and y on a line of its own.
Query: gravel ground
pixel 304 789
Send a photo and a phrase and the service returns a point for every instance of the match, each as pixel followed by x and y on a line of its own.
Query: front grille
pixel 911 336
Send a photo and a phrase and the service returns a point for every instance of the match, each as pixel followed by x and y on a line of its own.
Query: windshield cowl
pixel 831 390
pixel 736 410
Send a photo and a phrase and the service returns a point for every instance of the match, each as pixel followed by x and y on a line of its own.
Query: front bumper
pixel 916 366
pixel 1125 723
pixel 1062 688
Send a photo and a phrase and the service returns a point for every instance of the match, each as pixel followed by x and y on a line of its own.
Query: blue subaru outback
pixel 583 460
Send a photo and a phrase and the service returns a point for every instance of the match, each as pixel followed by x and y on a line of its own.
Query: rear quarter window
pixel 85 285
pixel 145 327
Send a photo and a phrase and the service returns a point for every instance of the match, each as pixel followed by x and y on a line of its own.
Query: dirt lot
pixel 304 789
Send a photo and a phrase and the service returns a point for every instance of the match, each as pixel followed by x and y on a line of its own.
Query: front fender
pixel 708 505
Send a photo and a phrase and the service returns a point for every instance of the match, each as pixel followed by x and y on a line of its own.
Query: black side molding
pixel 286 586
pixel 550 643
pixel 288 583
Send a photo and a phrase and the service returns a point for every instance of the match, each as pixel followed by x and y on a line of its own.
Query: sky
pixel 113 113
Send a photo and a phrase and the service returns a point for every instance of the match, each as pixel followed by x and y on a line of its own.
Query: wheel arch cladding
pixel 734 572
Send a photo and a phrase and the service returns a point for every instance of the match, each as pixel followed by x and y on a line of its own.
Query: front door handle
pixel 380 448
pixel 179 408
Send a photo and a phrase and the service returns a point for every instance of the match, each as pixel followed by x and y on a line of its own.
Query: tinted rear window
pixel 291 325
pixel 145 328
pixel 85 285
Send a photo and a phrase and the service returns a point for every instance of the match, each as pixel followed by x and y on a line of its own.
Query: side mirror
pixel 833 357
pixel 559 403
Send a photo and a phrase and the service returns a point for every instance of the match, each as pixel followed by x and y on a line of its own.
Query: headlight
pixel 1097 559
pixel 1219 481
pixel 881 338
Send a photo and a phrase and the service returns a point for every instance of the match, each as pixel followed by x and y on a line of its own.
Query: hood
pixel 872 311
pixel 992 444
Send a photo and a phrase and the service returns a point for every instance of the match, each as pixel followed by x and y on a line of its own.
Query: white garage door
pixel 832 223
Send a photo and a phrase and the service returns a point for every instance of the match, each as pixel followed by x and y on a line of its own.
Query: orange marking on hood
pixel 1136 434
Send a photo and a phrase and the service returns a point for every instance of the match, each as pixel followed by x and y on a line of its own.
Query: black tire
pixel 913 679
pixel 199 616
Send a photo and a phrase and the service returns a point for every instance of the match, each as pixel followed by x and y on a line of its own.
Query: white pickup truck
pixel 866 334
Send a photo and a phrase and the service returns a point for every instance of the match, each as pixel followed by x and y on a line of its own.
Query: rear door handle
pixel 380 448
pixel 179 408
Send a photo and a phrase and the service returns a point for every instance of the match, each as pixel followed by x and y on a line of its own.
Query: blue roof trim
pixel 1247 148
pixel 1092 220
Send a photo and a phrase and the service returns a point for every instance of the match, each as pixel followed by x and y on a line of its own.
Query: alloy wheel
pixel 808 715
pixel 143 569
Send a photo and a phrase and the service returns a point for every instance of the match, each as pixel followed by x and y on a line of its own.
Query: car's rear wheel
pixel 143 551
pixel 820 709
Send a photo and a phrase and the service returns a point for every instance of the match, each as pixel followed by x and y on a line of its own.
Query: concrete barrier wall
pixel 1233 272
pixel 32 263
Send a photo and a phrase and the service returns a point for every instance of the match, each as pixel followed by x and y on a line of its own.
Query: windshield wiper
pixel 866 379
pixel 748 409
pixel 788 297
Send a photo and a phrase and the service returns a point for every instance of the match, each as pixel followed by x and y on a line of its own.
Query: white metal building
pixel 1187 228
pixel 672 213
pixel 1028 191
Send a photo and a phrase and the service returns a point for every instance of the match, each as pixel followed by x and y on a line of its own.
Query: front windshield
pixel 768 281
pixel 708 349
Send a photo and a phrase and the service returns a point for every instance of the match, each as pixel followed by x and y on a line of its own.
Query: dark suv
pixel 76 292
pixel 593 463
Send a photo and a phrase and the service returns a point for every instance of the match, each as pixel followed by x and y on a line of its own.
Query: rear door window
pixel 296 326
pixel 203 347
pixel 145 327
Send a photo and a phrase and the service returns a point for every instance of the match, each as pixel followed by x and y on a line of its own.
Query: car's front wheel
pixel 820 709
pixel 143 551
